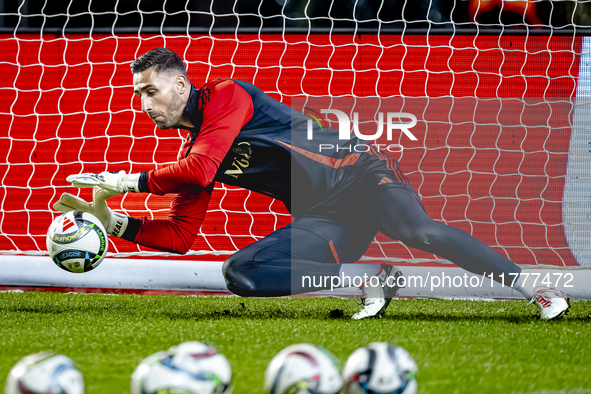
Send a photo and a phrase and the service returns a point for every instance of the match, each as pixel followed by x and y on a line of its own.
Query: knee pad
pixel 236 276
pixel 227 269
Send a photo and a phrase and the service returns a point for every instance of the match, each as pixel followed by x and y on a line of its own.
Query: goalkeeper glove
pixel 115 223
pixel 114 182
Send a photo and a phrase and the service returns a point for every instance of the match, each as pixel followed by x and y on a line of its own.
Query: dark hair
pixel 162 59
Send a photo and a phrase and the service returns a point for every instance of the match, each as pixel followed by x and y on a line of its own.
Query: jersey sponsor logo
pixel 385 180
pixel 242 155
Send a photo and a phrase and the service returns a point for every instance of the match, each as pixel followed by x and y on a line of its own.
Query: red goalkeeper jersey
pixel 245 138
pixel 218 111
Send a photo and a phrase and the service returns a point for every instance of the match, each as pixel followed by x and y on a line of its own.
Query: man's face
pixel 160 97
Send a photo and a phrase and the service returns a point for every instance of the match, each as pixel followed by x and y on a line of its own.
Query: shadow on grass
pixel 342 315
pixel 525 317
pixel 214 308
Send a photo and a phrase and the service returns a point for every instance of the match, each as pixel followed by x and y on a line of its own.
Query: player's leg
pixel 400 215
pixel 308 255
pixel 266 268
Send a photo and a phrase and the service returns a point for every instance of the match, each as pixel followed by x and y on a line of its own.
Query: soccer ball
pixel 303 369
pixel 380 368
pixel 189 368
pixel 44 373
pixel 77 241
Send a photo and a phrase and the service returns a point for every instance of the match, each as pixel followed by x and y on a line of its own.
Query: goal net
pixel 501 95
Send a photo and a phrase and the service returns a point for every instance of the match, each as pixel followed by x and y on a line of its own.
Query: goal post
pixel 503 121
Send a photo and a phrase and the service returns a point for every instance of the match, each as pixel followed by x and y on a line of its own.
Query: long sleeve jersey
pixel 243 137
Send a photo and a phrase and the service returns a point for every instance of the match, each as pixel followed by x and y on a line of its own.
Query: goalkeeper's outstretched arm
pixel 175 234
pixel 114 223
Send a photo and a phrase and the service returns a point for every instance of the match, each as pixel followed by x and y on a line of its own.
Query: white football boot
pixel 551 301
pixel 376 298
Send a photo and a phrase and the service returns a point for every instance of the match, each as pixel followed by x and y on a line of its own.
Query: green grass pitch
pixel 459 346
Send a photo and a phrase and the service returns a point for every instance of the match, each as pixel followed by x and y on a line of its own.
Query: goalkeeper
pixel 238 135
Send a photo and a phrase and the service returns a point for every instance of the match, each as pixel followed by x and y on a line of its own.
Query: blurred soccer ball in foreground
pixel 77 241
pixel 303 369
pixel 380 368
pixel 44 373
pixel 189 368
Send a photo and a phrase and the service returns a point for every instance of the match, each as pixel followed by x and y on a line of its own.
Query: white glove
pixel 115 182
pixel 115 223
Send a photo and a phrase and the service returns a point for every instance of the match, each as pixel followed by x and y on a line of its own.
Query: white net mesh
pixel 494 89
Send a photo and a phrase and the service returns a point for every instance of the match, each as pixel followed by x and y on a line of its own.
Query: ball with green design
pixel 189 368
pixel 303 368
pixel 77 242
pixel 43 373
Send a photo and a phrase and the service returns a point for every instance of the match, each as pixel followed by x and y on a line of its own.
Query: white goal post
pixel 502 101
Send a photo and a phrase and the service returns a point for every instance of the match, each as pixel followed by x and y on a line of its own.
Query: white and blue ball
pixel 189 368
pixel 303 369
pixel 380 368
pixel 77 241
pixel 44 373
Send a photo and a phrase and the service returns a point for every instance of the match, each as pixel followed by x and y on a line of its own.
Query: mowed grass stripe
pixel 459 346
